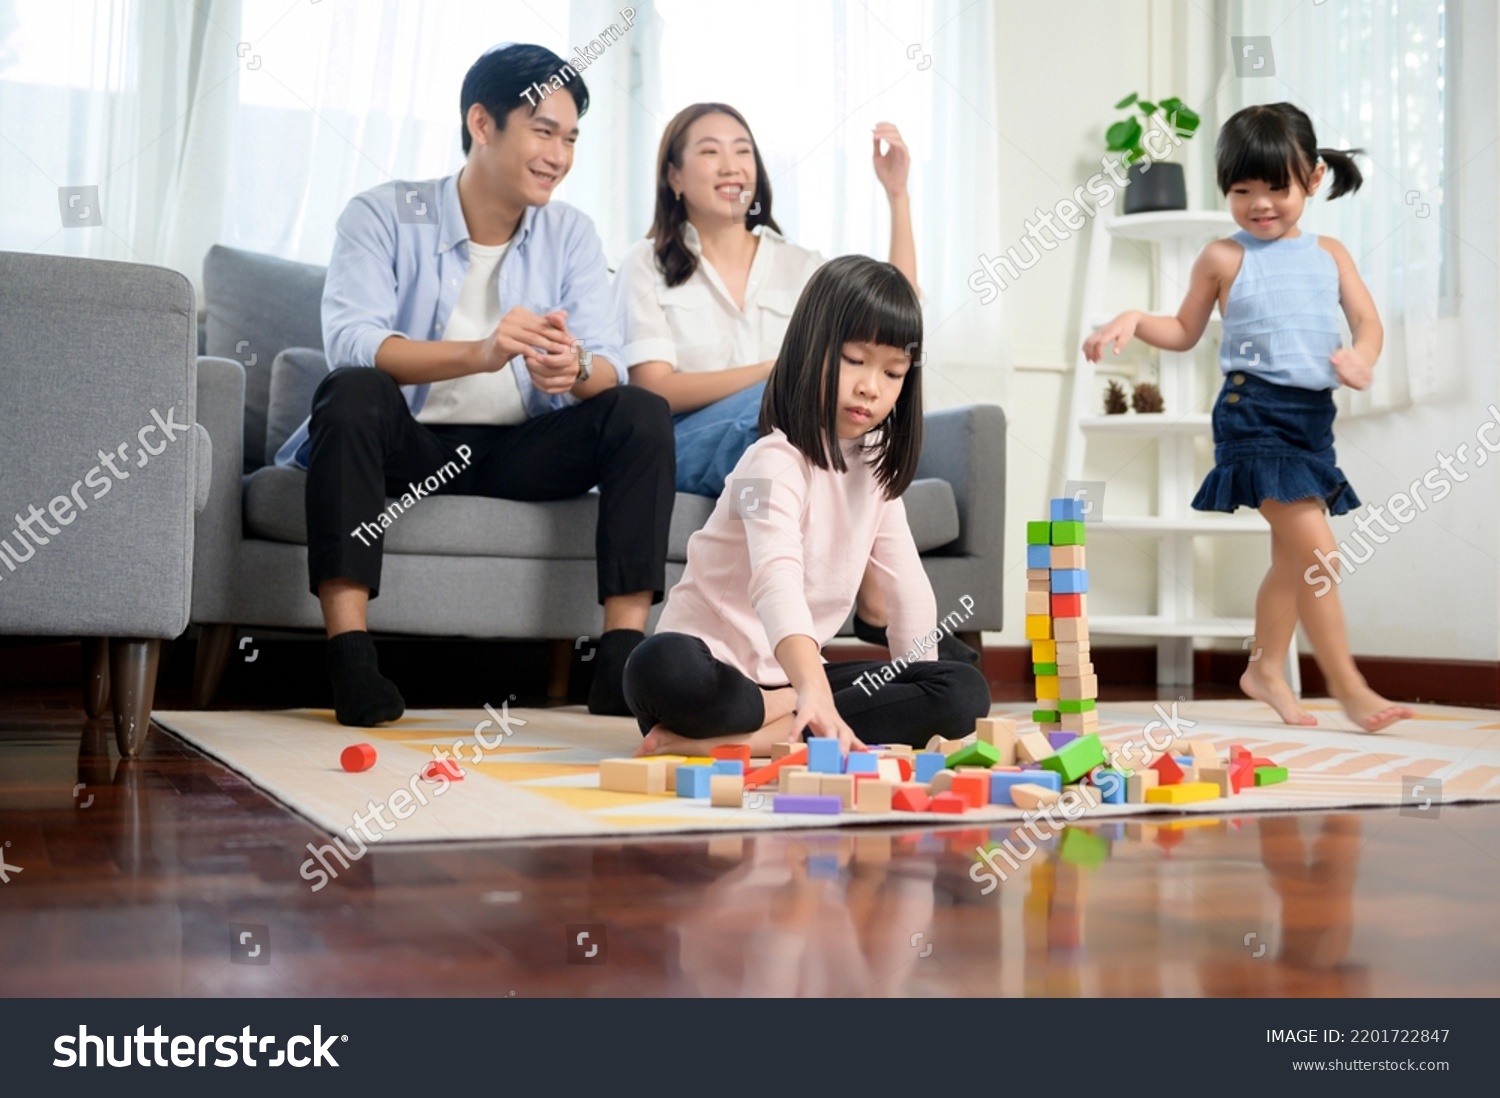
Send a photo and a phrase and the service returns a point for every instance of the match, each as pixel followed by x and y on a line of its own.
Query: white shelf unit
pixel 1177 235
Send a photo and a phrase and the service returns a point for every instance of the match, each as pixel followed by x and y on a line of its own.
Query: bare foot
pixel 1372 712
pixel 661 741
pixel 1274 691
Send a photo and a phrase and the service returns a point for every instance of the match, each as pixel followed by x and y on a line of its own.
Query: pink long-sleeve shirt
pixel 783 553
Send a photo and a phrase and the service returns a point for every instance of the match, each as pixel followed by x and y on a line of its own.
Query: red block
pixel 1241 774
pixel 973 788
pixel 359 757
pixel 443 768
pixel 1256 760
pixel 767 774
pixel 909 800
pixel 904 764
pixel 739 751
pixel 948 802
pixel 1067 606
pixel 1169 773
pixel 1238 752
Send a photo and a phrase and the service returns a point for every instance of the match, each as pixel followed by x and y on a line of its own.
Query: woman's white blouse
pixel 696 326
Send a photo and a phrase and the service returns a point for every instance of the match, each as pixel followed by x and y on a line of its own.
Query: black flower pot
pixel 1154 187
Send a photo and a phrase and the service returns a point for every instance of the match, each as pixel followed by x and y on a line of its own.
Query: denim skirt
pixel 1273 442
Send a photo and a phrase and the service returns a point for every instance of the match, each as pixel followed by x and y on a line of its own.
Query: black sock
pixel 870 634
pixel 362 696
pixel 607 694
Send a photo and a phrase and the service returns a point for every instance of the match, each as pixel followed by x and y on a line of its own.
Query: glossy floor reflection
pixel 169 875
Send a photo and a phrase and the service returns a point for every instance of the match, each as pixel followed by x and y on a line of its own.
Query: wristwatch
pixel 585 360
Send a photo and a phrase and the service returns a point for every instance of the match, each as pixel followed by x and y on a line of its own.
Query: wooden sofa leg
pixel 559 669
pixel 95 676
pixel 132 674
pixel 215 642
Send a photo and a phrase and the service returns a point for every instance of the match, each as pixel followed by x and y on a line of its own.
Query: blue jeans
pixel 711 440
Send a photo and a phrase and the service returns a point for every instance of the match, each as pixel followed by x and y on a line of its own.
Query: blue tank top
pixel 1282 320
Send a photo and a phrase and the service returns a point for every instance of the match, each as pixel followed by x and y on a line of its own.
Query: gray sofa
pixel 93 353
pixel 468 566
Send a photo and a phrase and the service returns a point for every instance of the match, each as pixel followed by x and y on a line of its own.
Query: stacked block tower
pixel 1057 624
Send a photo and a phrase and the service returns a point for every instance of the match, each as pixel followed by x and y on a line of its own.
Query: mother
pixel 705 299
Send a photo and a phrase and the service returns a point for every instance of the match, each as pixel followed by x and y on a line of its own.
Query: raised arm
pixel 1172 333
pixel 892 170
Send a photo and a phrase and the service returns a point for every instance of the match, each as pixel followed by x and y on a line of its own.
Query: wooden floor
pixel 140 877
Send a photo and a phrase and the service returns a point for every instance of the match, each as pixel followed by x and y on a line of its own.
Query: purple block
pixel 1024 766
pixel 1058 739
pixel 787 802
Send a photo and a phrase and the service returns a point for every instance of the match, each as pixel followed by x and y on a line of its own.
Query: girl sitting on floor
pixel 771 577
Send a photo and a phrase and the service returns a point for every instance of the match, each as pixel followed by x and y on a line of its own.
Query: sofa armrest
pixel 966 447
pixel 219 527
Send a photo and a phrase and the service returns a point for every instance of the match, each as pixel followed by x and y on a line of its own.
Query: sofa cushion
pixel 257 306
pixel 295 376
pixel 475 526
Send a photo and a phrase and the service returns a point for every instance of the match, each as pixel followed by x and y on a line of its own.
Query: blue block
pixel 1111 785
pixel 1002 780
pixel 693 781
pixel 1067 510
pixel 862 762
pixel 1039 556
pixel 926 764
pixel 823 756
pixel 1070 581
pixel 728 766
pixel 1183 761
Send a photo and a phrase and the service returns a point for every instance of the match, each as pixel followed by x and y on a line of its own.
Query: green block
pixel 977 753
pixel 1269 775
pixel 1039 533
pixel 1044 669
pixel 1076 758
pixel 1076 705
pixel 1065 533
pixel 1080 847
pixel 1044 716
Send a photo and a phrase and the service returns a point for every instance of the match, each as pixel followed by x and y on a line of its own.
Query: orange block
pixel 973 788
pixel 768 775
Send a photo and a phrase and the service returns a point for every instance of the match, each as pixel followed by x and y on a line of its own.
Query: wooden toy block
pixel 1070 606
pixel 1069 581
pixel 1032 747
pixel 824 756
pixel 1070 630
pixel 1050 727
pixel 1044 651
pixel 824 806
pixel 693 781
pixel 941 782
pixel 1077 705
pixel 1203 753
pixel 1078 670
pixel 1038 587
pixel 767 774
pixel 357 757
pixel 909 798
pixel 1078 687
pixel 1068 533
pixel 1219 776
pixel 1047 686
pixel 1038 602
pixel 449 768
pixel 999 733
pixel 739 751
pixel 1060 739
pixel 873 796
pixel 1028 795
pixel 726 790
pixel 1073 760
pixel 977 753
pixel 1039 556
pixel 728 766
pixel 1039 533
pixel 1046 716
pixel 784 777
pixel 698 760
pixel 893 769
pixel 948 802
pixel 633 775
pixel 1257 762
pixel 927 764
pixel 1040 669
pixel 947 747
pixel 670 763
pixel 1067 509
pixel 973 788
pixel 905 750
pixel 1182 793
pixel 1072 651
pixel 1002 782
pixel 1087 795
pixel 1137 784
pixel 1110 783
pixel 840 786
pixel 1039 575
pixel 862 762
pixel 1167 770
pixel 1269 775
pixel 1067 556
pixel 1038 627
pixel 805 783
pixel 1080 723
pixel 1238 752
pixel 1241 774
pixel 781 750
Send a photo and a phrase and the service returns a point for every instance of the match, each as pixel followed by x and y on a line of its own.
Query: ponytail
pixel 1346 175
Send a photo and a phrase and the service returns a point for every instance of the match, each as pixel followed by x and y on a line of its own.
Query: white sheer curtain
pixel 1373 74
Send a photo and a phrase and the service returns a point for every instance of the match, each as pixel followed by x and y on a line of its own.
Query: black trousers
pixel 366 445
pixel 672 679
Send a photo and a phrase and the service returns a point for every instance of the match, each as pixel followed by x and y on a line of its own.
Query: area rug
pixel 536 774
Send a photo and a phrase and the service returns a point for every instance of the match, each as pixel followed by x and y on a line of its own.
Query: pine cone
pixel 1146 398
pixel 1114 399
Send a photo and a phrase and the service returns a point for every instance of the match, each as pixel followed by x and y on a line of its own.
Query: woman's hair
pixel 852 299
pixel 673 257
pixel 1275 141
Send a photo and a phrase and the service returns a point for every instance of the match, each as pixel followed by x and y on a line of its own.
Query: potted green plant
pixel 1153 184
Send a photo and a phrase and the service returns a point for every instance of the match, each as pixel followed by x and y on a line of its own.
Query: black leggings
pixel 672 679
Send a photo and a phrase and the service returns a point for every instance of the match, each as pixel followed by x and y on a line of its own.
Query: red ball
pixel 359 757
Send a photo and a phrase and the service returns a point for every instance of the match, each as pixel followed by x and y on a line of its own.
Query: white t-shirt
pixel 477 398
pixel 696 327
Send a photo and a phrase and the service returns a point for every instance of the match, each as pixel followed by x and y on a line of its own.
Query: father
pixel 486 313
